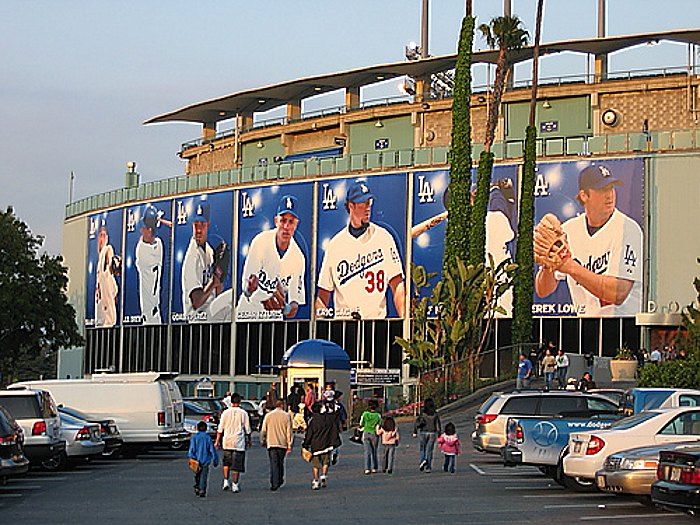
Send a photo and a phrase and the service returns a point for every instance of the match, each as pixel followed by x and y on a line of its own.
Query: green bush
pixel 676 373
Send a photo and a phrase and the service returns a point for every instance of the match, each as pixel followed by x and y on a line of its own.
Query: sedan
pixel 12 459
pixel 588 450
pixel 83 442
pixel 108 430
pixel 195 413
pixel 678 486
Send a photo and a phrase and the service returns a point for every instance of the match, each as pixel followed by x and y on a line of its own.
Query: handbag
pixel 194 465
pixel 306 454
pixel 356 436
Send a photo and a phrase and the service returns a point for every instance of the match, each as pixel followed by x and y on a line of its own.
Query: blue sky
pixel 80 77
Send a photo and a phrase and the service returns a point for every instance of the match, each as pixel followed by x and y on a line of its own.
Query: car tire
pixel 178 445
pixel 573 483
pixel 55 463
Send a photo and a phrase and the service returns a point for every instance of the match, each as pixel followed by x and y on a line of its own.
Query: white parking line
pixel 569 495
pixel 522 480
pixel 592 505
pixel 11 495
pixel 477 469
pixel 537 487
pixel 46 478
pixel 629 516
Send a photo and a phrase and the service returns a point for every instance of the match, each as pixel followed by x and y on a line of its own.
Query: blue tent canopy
pixel 316 353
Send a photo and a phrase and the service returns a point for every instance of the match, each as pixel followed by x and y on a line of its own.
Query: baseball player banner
pixel 274 234
pixel 361 239
pixel 588 239
pixel 430 215
pixel 147 248
pixel 201 288
pixel 104 267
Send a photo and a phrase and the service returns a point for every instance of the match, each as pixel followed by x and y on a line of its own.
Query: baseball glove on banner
pixel 550 245
pixel 222 256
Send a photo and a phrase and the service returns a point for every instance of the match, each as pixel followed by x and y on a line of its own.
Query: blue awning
pixel 314 353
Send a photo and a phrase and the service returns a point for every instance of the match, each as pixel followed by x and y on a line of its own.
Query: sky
pixel 79 78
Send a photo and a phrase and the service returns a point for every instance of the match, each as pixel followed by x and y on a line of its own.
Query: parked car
pixel 637 400
pixel 108 430
pixel 83 442
pixel 13 462
pixel 255 412
pixel 613 394
pixel 588 450
pixel 678 485
pixel 490 421
pixel 193 415
pixel 35 411
pixel 212 404
pixel 633 471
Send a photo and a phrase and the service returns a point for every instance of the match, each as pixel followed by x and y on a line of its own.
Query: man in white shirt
pixel 234 428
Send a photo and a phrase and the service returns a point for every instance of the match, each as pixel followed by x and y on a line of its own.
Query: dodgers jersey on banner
pixel 358 270
pixel 196 271
pixel 615 249
pixel 149 263
pixel 264 261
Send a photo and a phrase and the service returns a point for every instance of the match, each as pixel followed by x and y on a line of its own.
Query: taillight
pixel 161 419
pixel 483 419
pixel 595 445
pixel 690 477
pixel 83 434
pixel 8 440
pixel 659 472
pixel 104 430
pixel 208 417
pixel 39 428
pixel 519 435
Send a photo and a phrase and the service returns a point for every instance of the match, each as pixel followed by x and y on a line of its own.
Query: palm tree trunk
pixel 536 61
pixel 498 89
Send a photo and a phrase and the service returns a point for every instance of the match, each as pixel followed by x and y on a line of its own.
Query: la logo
pixel 425 190
pixel 247 206
pixel 130 221
pixel 181 213
pixel 329 198
pixel 541 186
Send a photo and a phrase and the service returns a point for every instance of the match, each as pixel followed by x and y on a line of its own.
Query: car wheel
pixel 54 463
pixel 573 483
pixel 178 445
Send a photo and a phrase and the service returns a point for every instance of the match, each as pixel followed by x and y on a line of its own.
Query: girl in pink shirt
pixel 389 433
pixel 449 444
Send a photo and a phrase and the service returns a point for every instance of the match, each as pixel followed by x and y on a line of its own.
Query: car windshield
pixel 633 421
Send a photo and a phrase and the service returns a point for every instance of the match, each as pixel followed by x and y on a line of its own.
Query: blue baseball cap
pixel 149 217
pixel 595 177
pixel 288 204
pixel 200 213
pixel 359 192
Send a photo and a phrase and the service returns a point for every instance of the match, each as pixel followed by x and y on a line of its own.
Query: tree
pixel 506 34
pixel 523 282
pixel 35 317
pixel 458 227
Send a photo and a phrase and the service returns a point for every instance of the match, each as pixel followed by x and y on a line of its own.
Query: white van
pixel 146 406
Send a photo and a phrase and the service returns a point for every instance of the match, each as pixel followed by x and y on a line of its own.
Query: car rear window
pixel 5 426
pixel 555 405
pixel 521 405
pixel 487 404
pixel 633 421
pixel 21 407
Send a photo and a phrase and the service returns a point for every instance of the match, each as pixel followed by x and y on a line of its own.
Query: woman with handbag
pixel 369 420
pixel 428 426
pixel 321 438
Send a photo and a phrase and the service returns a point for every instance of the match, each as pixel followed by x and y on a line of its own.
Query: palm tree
pixel 506 34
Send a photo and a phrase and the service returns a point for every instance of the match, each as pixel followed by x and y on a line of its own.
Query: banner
pixel 104 267
pixel 600 206
pixel 274 234
pixel 147 249
pixel 361 239
pixel 201 288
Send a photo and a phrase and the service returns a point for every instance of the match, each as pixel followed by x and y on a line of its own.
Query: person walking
pixel 276 435
pixel 320 439
pixel 202 449
pixel 341 419
pixel 524 373
pixel 450 446
pixel 562 368
pixel 369 420
pixel 389 433
pixel 309 400
pixel 293 400
pixel 428 425
pixel 548 366
pixel 234 434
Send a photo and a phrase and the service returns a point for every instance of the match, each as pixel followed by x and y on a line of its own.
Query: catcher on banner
pixel 550 245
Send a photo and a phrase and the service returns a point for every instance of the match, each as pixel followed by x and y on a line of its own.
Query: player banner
pixel 147 249
pixel 361 239
pixel 274 252
pixel 429 225
pixel 104 267
pixel 589 238
pixel 201 288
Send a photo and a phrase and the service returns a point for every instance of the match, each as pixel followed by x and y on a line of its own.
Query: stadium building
pixel 134 252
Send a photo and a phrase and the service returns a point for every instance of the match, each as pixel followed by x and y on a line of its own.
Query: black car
pixel 12 459
pixel 678 483
pixel 108 430
pixel 211 404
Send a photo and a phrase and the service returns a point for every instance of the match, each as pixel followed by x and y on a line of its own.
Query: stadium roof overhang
pixel 265 98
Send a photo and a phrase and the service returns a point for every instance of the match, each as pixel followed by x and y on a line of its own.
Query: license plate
pixel 600 481
pixel 675 474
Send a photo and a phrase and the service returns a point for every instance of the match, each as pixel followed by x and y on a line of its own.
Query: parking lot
pixel 157 488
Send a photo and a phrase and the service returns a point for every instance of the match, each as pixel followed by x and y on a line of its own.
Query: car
pixel 195 413
pixel 108 430
pixel 678 484
pixel 491 418
pixel 13 462
pixel 632 471
pixel 83 442
pixel 588 450
pixel 255 412
pixel 614 394
pixel 637 400
pixel 212 404
pixel 36 412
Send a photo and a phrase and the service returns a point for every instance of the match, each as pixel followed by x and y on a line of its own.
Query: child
pixel 202 449
pixel 449 444
pixel 390 440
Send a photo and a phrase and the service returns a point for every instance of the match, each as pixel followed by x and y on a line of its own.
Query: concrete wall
pixel 572 115
pixel 398 130
pixel 271 148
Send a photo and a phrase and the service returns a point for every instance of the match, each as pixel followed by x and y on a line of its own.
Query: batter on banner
pixel 108 266
pixel 599 253
pixel 203 273
pixel 149 263
pixel 360 263
pixel 274 270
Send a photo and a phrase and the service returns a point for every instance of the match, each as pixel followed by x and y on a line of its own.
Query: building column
pixel 293 110
pixel 352 98
pixel 208 130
